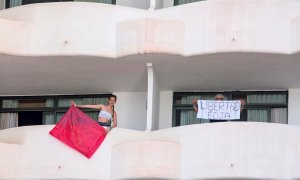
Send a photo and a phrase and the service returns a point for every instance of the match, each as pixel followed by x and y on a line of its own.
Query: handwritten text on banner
pixel 219 110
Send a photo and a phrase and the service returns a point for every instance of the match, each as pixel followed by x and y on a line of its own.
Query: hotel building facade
pixel 157 56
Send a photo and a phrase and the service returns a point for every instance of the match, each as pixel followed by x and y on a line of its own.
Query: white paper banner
pixel 219 110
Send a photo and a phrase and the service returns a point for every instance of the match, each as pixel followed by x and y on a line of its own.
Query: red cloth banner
pixel 79 131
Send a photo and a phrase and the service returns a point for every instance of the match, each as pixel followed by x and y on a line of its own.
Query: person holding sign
pixel 218 110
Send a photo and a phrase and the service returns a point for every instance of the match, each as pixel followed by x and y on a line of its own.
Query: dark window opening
pixel 29 118
pixel 24 2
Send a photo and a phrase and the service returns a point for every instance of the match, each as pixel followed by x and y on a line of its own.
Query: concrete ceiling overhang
pixel 83 48
pixel 89 75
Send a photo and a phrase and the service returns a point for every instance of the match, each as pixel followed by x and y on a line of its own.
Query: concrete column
pixel 152 4
pixel 152 100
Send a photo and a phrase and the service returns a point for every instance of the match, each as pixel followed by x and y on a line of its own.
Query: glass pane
pixel 258 115
pixel 95 100
pixel 186 99
pixel 50 103
pixel 266 98
pixel 93 115
pixel 66 102
pixel 49 118
pixel 279 115
pixel 59 115
pixel 186 117
pixel 8 120
pixel 179 2
pixel 13 3
pixel 10 103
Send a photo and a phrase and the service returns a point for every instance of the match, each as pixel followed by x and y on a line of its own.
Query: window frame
pixel 55 109
pixel 230 94
pixel 7 2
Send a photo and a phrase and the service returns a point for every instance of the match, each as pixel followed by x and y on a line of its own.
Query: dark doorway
pixel 29 118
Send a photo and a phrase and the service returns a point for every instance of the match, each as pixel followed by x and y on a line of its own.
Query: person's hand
pixel 243 102
pixel 195 102
pixel 73 103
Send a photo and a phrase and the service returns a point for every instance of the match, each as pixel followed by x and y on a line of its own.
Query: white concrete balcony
pixel 204 46
pixel 208 151
pixel 95 29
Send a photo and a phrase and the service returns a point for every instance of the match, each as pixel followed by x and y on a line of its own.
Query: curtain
pixel 14 3
pixel 279 115
pixel 49 103
pixel 97 1
pixel 66 102
pixel 257 115
pixel 94 100
pixel 190 116
pixel 10 103
pixel 93 115
pixel 59 115
pixel 49 118
pixel 185 1
pixel 9 120
pixel 188 99
pixel 266 98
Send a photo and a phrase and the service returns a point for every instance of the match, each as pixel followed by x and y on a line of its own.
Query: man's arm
pixel 195 105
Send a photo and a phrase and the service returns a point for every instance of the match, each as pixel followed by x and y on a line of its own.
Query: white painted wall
pixel 294 106
pixel 131 110
pixel 2 4
pixel 141 4
pixel 165 109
